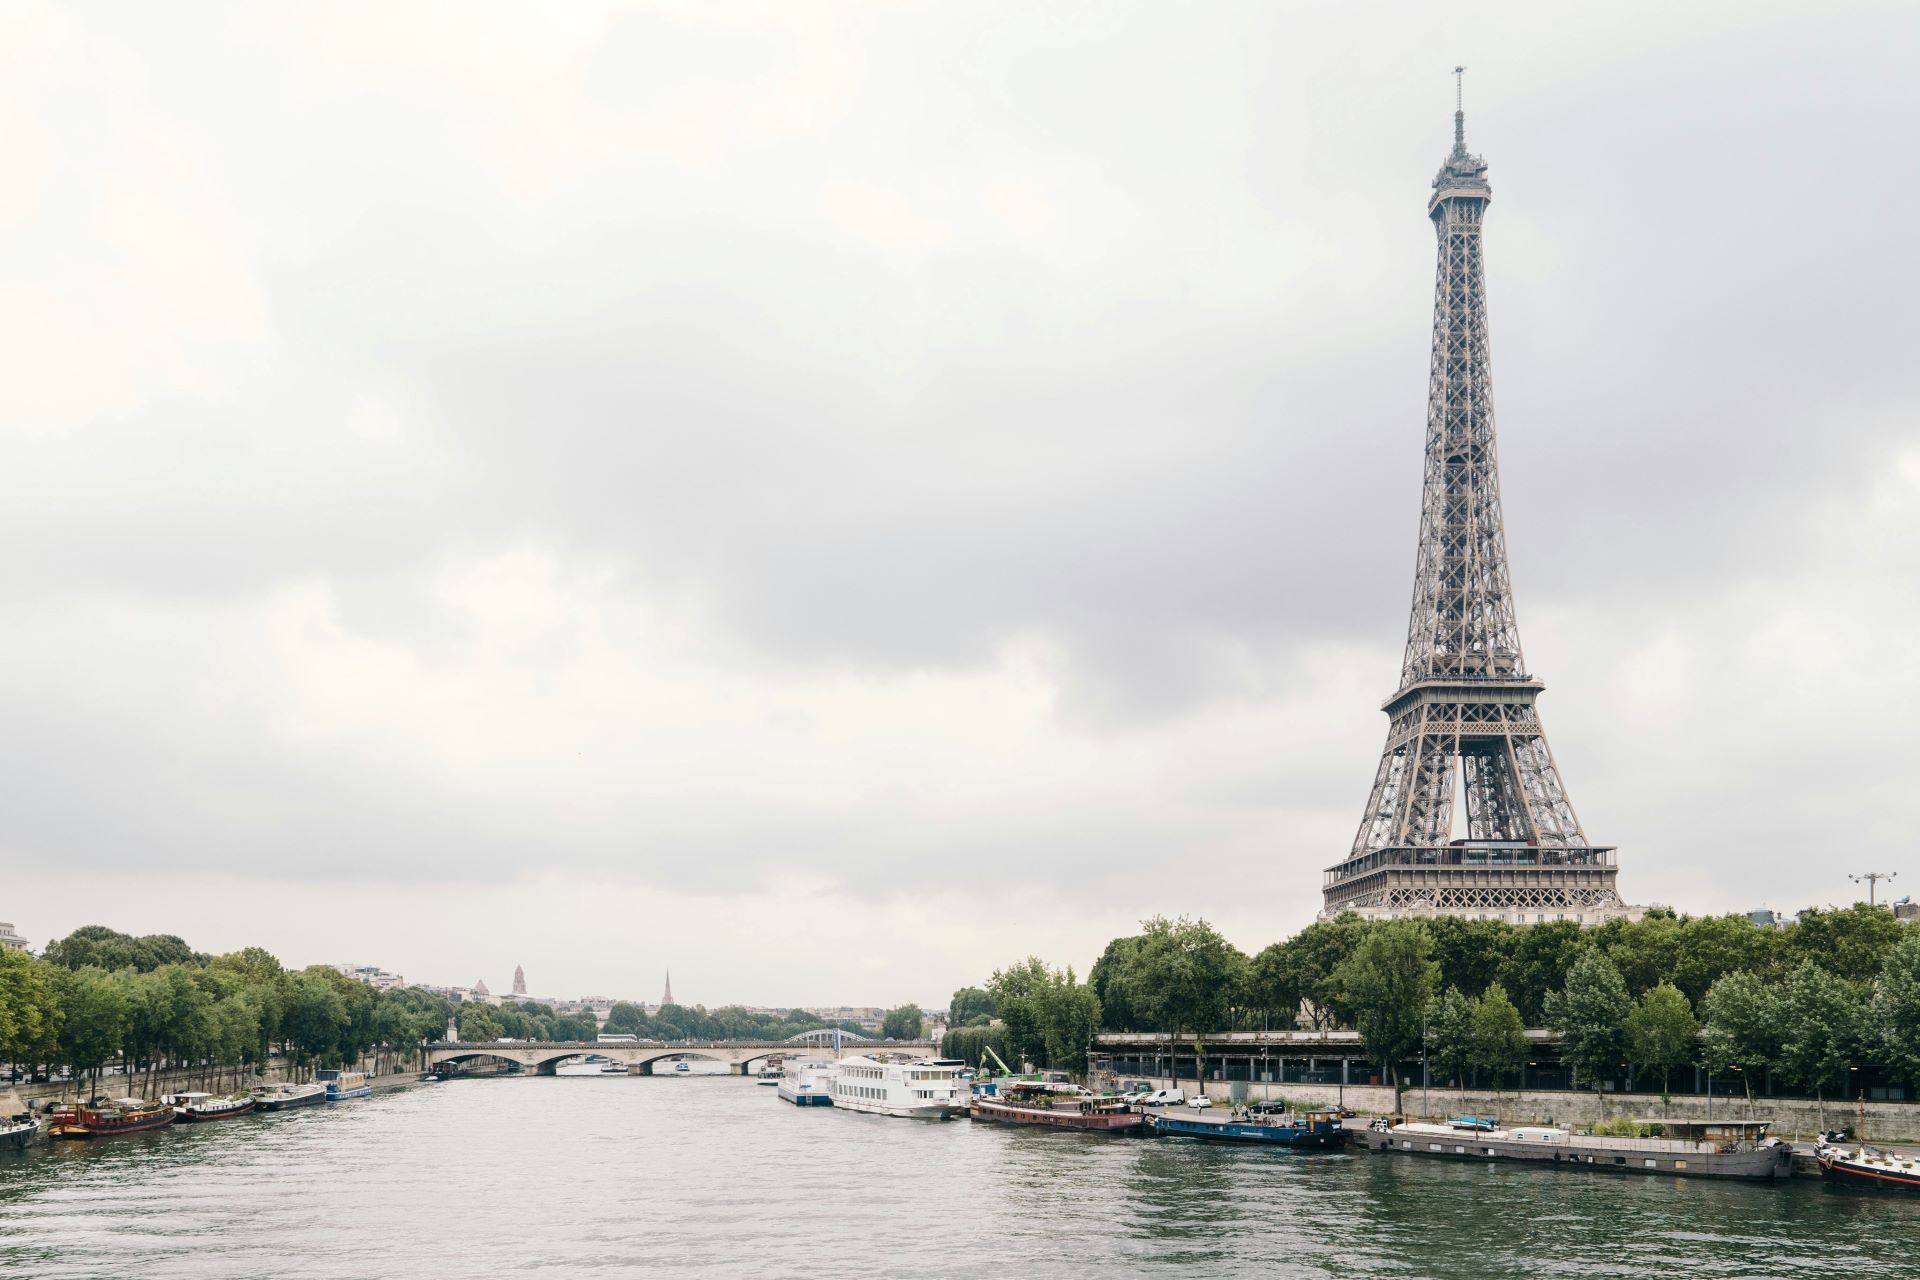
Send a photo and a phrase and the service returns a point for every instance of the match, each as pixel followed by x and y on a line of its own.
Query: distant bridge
pixel 741 1056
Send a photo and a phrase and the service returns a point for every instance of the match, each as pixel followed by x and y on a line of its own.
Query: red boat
pixel 1056 1106
pixel 121 1115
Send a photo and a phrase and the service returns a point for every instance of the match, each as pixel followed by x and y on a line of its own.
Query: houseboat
pixel 1242 1124
pixel 342 1085
pixel 1054 1105
pixel 284 1097
pixel 17 1125
pixel 1688 1148
pixel 1856 1164
pixel 918 1088
pixel 193 1108
pixel 106 1119
pixel 808 1084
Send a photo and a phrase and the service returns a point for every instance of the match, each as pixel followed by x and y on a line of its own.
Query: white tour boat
pixel 809 1084
pixel 920 1088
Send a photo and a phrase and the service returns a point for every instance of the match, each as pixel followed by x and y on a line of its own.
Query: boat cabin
pixel 1725 1134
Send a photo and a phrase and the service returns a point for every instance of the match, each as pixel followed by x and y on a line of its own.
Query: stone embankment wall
pixel 1801 1118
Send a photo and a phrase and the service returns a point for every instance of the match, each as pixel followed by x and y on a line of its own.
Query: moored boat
pixel 1053 1105
pixel 193 1108
pixel 1283 1129
pixel 342 1085
pixel 283 1097
pixel 1855 1164
pixel 918 1088
pixel 17 1125
pixel 1688 1148
pixel 808 1084
pixel 107 1119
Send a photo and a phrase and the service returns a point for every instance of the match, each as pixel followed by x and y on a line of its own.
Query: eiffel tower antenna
pixel 1459 110
pixel 1466 699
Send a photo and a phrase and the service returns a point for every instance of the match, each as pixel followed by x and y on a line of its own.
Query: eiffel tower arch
pixel 1464 719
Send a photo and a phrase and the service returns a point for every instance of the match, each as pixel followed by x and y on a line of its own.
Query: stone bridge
pixel 742 1057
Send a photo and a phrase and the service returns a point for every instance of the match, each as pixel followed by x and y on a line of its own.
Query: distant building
pixel 373 975
pixel 1904 909
pixel 480 991
pixel 1767 919
pixel 519 981
pixel 8 938
pixel 667 997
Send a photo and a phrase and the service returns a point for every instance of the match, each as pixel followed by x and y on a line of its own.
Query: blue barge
pixel 1312 1129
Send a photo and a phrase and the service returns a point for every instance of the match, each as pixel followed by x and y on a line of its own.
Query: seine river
pixel 616 1176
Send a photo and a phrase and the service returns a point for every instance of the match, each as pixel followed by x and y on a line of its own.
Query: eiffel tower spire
pixel 1465 698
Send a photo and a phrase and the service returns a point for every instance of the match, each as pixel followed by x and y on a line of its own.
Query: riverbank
pixel 37 1096
pixel 1798 1119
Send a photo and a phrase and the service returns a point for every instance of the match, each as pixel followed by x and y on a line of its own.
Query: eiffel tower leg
pixel 1428 818
pixel 1547 806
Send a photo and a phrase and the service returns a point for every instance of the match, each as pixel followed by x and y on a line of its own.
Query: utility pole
pixel 1873 879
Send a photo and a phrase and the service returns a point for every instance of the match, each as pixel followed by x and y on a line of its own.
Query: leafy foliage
pixel 1590 1014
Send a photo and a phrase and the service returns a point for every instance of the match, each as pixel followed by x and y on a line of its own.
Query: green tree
pixel 626 1019
pixel 1646 951
pixel 1180 977
pixel 1107 978
pixel 1662 1033
pixel 1711 947
pixel 902 1023
pixel 1590 1015
pixel 1538 962
pixel 312 1019
pixel 1016 990
pixel 1851 943
pixel 970 1007
pixel 969 1044
pixel 1449 1034
pixel 1500 1044
pixel 1387 982
pixel 1470 953
pixel 1069 1015
pixel 1310 962
pixel 478 1024
pixel 1820 1024
pixel 1742 1030
pixel 29 1008
pixel 1273 987
pixel 1896 1009
pixel 95 1014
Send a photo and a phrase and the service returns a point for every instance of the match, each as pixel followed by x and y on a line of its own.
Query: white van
pixel 1160 1098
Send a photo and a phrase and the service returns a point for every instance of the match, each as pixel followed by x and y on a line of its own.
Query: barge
pixel 121 1115
pixel 1057 1106
pixel 1687 1148
pixel 193 1108
pixel 284 1097
pixel 1313 1129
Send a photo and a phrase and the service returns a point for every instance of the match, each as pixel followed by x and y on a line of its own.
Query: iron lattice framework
pixel 1465 697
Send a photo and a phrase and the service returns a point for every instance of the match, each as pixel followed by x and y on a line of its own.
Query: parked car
pixel 1200 1102
pixel 1160 1098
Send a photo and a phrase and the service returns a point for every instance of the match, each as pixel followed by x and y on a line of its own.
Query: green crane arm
pixel 986 1051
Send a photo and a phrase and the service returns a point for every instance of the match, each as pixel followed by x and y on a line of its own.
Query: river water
pixel 636 1176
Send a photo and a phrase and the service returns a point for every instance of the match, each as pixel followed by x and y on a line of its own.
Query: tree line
pixel 152 1003
pixel 1627 1000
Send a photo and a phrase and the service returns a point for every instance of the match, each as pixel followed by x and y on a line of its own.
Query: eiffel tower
pixel 1466 700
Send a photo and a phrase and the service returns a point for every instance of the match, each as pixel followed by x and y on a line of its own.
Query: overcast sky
pixel 834 499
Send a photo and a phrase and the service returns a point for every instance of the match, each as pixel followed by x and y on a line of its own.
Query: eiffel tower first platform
pixel 1466 701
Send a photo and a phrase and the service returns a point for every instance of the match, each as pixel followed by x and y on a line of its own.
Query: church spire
pixel 666 997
